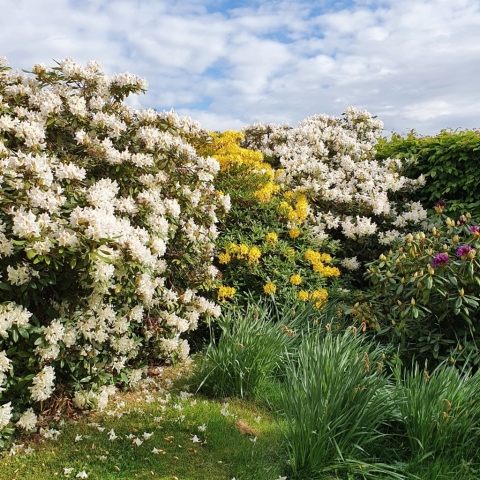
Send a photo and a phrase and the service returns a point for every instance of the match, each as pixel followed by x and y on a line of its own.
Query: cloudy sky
pixel 229 63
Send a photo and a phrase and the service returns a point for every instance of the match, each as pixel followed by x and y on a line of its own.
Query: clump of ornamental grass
pixel 251 347
pixel 439 413
pixel 423 295
pixel 251 344
pixel 335 399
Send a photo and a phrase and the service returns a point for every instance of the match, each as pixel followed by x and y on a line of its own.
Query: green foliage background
pixel 450 162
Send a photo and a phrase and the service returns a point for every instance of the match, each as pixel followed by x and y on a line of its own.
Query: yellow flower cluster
pixel 254 255
pixel 266 193
pixel 294 208
pixel 296 279
pixel 303 295
pixel 269 288
pixel 318 260
pixel 271 239
pixel 319 297
pixel 294 233
pixel 241 252
pixel 227 150
pixel 224 258
pixel 224 293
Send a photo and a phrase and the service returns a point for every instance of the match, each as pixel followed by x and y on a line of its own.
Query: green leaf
pixel 31 254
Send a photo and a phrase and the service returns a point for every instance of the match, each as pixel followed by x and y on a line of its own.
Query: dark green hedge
pixel 450 162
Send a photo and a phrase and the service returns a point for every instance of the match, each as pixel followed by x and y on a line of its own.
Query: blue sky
pixel 413 63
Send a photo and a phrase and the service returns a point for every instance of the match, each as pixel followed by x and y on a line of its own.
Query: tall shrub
pixel 265 243
pixel 352 195
pixel 424 293
pixel 107 230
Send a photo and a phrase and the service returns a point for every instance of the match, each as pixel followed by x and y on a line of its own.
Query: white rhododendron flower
pixel 28 420
pixel 5 414
pixel 350 263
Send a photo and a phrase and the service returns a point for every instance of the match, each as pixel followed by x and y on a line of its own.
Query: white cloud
pixel 414 63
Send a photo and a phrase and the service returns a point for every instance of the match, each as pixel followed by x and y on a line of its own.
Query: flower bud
pixel 471 254
pixel 389 274
pixel 412 301
pixel 431 271
pixel 461 292
pixel 456 239
pixel 409 238
pixel 434 230
pixel 402 280
pixel 445 247
pixel 422 235
pixel 382 257
pixel 468 215
pixel 460 348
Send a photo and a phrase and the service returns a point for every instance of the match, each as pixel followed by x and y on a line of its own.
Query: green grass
pixel 222 453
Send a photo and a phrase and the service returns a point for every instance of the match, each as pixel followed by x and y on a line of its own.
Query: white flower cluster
pixel 113 210
pixel 5 414
pixel 43 384
pixel 332 160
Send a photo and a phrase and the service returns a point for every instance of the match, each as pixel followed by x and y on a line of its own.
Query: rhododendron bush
pixel 265 249
pixel 353 197
pixel 107 230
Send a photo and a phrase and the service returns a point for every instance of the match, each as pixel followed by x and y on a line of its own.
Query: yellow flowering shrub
pixel 229 153
pixel 225 147
pixel 262 244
